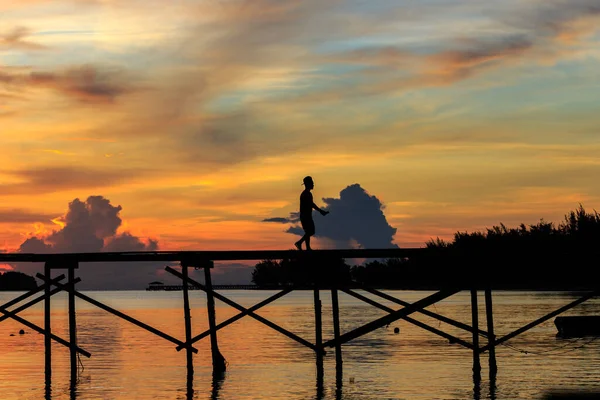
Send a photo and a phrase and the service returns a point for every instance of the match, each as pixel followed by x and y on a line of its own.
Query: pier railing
pixel 205 260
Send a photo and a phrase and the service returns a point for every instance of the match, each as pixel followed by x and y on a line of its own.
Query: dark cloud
pixel 355 217
pixel 22 216
pixel 86 83
pixel 281 220
pixel 552 17
pixel 228 138
pixel 91 226
pixel 476 51
pixel 475 55
pixel 51 179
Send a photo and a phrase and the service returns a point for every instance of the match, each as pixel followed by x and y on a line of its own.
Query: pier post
pixel 188 322
pixel 72 325
pixel 47 328
pixel 491 335
pixel 218 360
pixel 335 309
pixel 475 329
pixel 318 335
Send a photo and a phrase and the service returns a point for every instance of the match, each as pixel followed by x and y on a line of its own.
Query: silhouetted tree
pixel 300 272
pixel 267 273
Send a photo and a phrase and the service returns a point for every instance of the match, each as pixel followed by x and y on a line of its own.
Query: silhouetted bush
pixel 541 255
pixel 17 281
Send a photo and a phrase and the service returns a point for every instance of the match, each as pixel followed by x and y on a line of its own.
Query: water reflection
pixel 338 384
pixel 477 389
pixel 48 388
pixel 217 382
pixel 320 376
pixel 189 392
pixel 73 391
pixel 492 386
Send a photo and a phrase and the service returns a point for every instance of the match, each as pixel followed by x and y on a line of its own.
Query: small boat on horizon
pixel 577 326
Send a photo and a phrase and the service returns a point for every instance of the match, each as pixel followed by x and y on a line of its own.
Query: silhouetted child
pixel 306 207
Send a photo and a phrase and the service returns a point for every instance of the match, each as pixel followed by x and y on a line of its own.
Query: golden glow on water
pixel 130 363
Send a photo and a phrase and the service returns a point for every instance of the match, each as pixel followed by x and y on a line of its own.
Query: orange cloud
pixel 6 268
pixel 15 40
pixel 59 178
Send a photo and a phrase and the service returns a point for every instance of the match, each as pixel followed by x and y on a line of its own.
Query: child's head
pixel 308 182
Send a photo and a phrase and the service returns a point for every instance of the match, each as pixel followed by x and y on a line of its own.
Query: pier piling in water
pixel 218 360
pixel 489 312
pixel 318 334
pixel 335 310
pixel 47 327
pixel 188 322
pixel 475 323
pixel 72 324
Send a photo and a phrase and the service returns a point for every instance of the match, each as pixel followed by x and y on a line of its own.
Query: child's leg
pixel 307 240
pixel 299 242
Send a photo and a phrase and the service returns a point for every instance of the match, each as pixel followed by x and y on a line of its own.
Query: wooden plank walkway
pixel 212 255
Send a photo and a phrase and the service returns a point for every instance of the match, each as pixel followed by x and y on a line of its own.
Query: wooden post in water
pixel 475 328
pixel 218 360
pixel 491 336
pixel 72 325
pixel 47 328
pixel 335 309
pixel 318 335
pixel 188 322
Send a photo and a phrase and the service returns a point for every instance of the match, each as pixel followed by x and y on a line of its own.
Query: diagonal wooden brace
pixel 391 317
pixel 25 306
pixel 12 314
pixel 431 314
pixel 409 319
pixel 235 305
pixel 119 314
pixel 539 320
pixel 239 316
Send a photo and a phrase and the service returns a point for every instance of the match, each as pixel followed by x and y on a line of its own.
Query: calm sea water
pixel 130 363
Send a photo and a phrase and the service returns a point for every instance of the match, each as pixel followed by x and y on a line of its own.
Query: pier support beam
pixel 188 323
pixel 47 329
pixel 72 325
pixel 489 312
pixel 335 309
pixel 475 328
pixel 219 365
pixel 318 335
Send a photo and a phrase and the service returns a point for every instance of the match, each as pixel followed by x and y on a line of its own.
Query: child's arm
pixel 323 212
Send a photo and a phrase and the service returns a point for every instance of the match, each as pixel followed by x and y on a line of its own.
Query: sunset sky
pixel 200 118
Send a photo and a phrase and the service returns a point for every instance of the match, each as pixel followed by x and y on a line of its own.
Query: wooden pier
pixel 171 288
pixel 482 341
